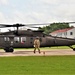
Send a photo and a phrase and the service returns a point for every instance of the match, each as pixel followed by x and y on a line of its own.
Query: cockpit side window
pixel 23 39
pixel 6 39
pixel 16 39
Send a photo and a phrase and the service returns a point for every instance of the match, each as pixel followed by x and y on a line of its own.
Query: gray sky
pixel 36 11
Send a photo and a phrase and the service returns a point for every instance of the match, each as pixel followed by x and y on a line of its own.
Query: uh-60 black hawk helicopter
pixel 24 38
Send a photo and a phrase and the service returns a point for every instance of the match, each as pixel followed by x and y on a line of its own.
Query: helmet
pixel 37 37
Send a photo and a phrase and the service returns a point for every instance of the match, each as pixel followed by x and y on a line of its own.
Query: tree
pixel 54 26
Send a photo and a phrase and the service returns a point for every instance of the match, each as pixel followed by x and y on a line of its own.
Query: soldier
pixel 37 44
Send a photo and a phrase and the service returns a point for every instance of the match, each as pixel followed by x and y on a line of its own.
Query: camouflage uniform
pixel 36 44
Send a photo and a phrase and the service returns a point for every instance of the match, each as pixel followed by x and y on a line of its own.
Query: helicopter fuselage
pixel 8 42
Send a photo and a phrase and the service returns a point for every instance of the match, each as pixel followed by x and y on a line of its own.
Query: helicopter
pixel 25 38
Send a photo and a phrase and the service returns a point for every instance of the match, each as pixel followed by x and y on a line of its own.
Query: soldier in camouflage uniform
pixel 36 44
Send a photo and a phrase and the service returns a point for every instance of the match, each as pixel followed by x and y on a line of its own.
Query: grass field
pixel 41 65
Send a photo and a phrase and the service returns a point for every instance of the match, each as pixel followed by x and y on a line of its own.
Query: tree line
pixel 54 26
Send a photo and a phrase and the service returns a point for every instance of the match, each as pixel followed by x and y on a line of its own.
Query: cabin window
pixel 23 39
pixel 6 38
pixel 16 39
pixel 71 33
pixel 31 38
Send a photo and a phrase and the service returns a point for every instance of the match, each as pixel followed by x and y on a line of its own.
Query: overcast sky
pixel 36 11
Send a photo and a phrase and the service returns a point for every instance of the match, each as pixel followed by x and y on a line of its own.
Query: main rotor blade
pixel 20 25
pixel 14 25
pixel 4 25
pixel 46 23
pixel 70 22
pixel 34 27
pixel 38 24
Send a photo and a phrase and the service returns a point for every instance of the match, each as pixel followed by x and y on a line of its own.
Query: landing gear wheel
pixel 9 49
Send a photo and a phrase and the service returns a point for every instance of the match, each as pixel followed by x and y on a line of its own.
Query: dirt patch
pixel 43 53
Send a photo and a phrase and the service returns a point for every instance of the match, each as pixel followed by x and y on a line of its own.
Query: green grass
pixel 41 65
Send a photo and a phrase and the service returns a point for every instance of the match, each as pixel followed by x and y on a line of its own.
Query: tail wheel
pixel 73 49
